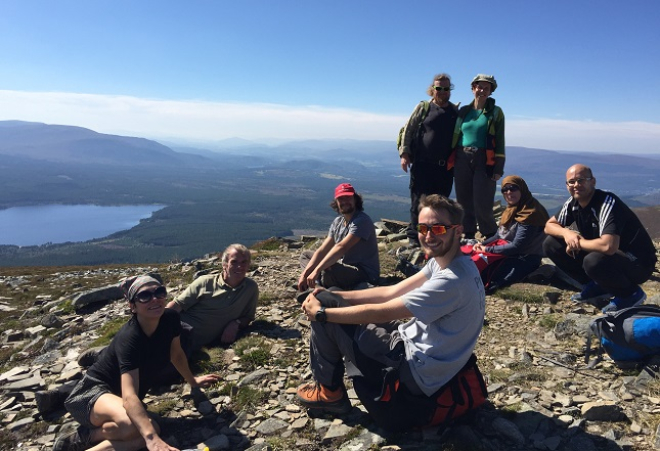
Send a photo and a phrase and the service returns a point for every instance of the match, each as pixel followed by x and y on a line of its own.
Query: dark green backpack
pixel 425 111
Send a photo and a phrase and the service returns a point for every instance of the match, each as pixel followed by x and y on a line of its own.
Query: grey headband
pixel 131 285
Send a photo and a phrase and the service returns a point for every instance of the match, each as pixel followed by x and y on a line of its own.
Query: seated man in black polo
pixel 610 251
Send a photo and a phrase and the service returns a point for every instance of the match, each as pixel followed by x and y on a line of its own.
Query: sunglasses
pixel 436 229
pixel 442 88
pixel 510 188
pixel 147 295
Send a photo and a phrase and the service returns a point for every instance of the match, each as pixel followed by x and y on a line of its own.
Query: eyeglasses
pixel 573 182
pixel 436 229
pixel 147 295
pixel 442 88
pixel 510 188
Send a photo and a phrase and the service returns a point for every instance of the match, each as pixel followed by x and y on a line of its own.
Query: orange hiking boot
pixel 316 396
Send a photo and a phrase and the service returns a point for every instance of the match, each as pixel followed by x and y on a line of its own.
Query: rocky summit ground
pixel 542 396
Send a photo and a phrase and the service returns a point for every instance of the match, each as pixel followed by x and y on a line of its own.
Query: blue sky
pixel 572 75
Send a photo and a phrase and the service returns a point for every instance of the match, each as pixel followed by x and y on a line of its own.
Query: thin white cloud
pixel 590 136
pixel 211 121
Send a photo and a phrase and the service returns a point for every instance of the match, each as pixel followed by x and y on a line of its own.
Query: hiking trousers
pixel 511 270
pixel 475 191
pixel 616 274
pixel 359 350
pixel 426 178
pixel 340 275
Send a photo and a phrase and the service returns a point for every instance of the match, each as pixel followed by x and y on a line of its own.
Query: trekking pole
pixel 568 367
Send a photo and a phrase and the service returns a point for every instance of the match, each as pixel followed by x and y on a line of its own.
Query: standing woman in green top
pixel 479 157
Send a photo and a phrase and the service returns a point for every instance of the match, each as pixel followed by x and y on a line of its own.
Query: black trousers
pixel 426 178
pixel 616 274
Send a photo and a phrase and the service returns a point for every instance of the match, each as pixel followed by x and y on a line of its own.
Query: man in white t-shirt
pixel 426 326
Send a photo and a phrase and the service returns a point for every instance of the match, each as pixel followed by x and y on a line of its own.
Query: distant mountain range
pixel 67 144
pixel 633 176
pixel 237 190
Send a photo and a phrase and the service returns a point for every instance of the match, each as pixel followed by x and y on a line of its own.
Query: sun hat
pixel 483 77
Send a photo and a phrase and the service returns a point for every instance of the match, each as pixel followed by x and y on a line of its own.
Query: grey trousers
pixel 475 191
pixel 360 350
pixel 339 275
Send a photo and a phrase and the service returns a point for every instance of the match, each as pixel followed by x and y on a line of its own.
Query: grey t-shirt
pixel 364 254
pixel 448 312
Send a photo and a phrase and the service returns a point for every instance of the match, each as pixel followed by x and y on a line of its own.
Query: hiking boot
pixel 78 440
pixel 591 294
pixel 90 356
pixel 618 303
pixel 316 396
pixel 302 295
pixel 51 400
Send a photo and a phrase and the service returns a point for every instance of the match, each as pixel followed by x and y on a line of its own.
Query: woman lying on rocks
pixel 107 401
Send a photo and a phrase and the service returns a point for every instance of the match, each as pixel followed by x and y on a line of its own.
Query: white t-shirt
pixel 448 312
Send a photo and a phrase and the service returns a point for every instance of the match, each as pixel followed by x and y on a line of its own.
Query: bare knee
pixel 121 428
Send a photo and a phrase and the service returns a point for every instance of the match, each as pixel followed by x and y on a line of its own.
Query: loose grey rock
pixel 272 426
pixel 51 321
pixel 508 430
pixel 103 294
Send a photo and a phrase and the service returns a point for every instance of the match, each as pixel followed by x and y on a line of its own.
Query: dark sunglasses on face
pixel 510 188
pixel 436 229
pixel 442 88
pixel 145 296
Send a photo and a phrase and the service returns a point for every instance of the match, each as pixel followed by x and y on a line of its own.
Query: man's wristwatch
pixel 320 316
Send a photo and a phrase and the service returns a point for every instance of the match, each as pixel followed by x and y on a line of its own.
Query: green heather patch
pixel 226 389
pixel 281 444
pixel 5 355
pixel 500 375
pixel 271 244
pixel 255 358
pixel 512 409
pixel 207 360
pixel 163 407
pixel 521 293
pixel 549 321
pixel 248 398
pixel 108 331
pixel 253 350
pixel 266 296
pixel 67 307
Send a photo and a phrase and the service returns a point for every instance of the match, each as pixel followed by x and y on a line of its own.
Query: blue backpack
pixel 630 336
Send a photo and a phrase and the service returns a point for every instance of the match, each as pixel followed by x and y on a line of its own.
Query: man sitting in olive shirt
pixel 219 305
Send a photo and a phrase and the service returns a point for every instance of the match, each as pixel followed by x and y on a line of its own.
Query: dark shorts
pixel 83 397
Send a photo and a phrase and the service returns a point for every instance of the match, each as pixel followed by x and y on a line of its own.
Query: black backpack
pixel 630 336
pixel 425 111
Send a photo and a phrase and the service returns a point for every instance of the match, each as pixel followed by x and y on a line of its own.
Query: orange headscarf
pixel 527 211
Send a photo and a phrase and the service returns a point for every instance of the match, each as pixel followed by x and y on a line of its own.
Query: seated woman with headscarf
pixel 519 237
pixel 107 402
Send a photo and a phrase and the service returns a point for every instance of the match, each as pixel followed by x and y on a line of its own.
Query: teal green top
pixel 475 129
